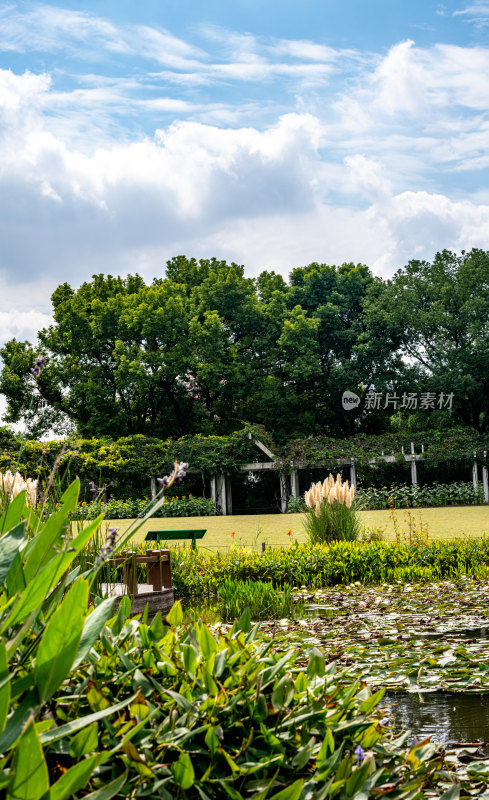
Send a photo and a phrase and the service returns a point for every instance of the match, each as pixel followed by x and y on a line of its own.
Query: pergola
pixel 289 482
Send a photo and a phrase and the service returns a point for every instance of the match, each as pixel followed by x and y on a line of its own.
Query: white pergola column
pixel 414 475
pixel 485 483
pixel 353 474
pixel 229 495
pixel 294 482
pixel 475 476
pixel 283 493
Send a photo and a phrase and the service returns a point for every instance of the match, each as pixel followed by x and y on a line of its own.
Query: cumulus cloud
pixel 361 168
pixel 22 325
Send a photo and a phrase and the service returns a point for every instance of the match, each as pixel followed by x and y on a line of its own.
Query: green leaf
pixel 9 547
pixel 175 614
pixel 47 578
pixel 40 549
pixel 244 622
pixel 301 683
pixel 270 673
pixel 190 659
pixel 478 769
pixel 5 690
pixel 123 613
pixel 316 665
pixel 292 792
pixel 358 778
pixel 31 779
pixel 92 627
pixel 13 514
pixel 183 771
pixel 212 740
pixel 81 722
pixel 108 791
pixel 157 628
pixel 208 644
pixel 85 741
pixel 18 721
pixel 326 749
pixel 283 693
pixel 370 702
pixel 60 641
pixel 74 779
pixel 453 793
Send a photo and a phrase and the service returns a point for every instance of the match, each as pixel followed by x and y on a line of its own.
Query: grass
pixel 443 523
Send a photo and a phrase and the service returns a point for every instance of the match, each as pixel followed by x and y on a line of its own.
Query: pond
pixel 445 716
pixel 427 644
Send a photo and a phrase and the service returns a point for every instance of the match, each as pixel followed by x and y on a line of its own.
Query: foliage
pixel 121 707
pixel 435 314
pixel 319 565
pixel 455 446
pixel 213 716
pixel 459 493
pixel 296 505
pixel 428 637
pixel 332 522
pixel 201 351
pixel 45 630
pixel 129 509
pixel 263 600
pixel 205 350
pixel 127 464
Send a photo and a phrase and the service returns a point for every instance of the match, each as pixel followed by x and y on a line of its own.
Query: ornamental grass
pixel 11 484
pixel 331 514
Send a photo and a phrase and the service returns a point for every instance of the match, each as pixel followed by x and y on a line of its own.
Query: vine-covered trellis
pixel 129 465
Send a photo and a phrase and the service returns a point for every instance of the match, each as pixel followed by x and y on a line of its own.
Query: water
pixel 445 716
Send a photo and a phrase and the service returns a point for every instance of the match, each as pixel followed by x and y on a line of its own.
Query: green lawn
pixel 442 523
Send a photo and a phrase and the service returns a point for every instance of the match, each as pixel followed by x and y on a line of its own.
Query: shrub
pixel 319 565
pixel 371 498
pixel 131 509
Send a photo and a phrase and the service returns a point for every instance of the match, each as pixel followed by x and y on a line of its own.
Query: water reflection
pixel 446 716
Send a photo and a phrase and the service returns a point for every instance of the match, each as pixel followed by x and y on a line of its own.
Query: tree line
pixel 206 350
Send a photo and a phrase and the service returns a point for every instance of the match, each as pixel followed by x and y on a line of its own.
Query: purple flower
pixel 107 549
pixel 38 367
pixel 359 754
pixel 176 477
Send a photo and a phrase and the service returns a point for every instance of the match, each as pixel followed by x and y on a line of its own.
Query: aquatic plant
pixel 262 599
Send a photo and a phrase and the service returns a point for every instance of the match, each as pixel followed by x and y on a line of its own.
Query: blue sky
pixel 269 133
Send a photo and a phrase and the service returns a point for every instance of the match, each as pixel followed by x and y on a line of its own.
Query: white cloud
pixel 283 167
pixel 476 13
pixel 49 29
pixel 23 325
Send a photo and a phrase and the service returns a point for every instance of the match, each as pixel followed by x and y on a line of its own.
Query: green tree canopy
pixel 436 315
pixel 204 350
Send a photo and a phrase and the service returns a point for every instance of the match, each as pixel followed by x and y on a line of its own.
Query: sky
pixel 268 133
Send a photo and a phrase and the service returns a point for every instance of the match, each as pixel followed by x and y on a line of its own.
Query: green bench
pixel 168 536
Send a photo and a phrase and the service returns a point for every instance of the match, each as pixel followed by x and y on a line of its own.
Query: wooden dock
pixel 157 601
pixel 158 593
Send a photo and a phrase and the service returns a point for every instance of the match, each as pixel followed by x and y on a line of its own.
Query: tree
pixel 436 315
pixel 202 350
pixel 332 299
